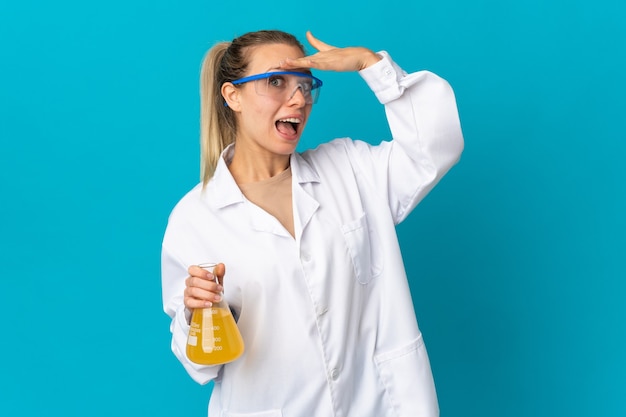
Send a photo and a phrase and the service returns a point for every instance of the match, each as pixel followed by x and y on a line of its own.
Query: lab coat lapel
pixel 222 190
pixel 304 178
pixel 304 203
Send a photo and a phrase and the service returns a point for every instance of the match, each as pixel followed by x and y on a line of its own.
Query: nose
pixel 298 95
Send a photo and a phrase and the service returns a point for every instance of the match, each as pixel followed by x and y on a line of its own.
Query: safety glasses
pixel 282 85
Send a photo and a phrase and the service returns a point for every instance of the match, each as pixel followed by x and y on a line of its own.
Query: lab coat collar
pixel 301 171
pixel 223 191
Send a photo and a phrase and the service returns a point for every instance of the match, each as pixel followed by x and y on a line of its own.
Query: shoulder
pixel 343 150
pixel 188 203
pixel 340 148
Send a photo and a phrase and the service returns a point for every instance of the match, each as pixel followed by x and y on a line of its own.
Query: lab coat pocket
pixel 408 380
pixel 269 413
pixel 366 259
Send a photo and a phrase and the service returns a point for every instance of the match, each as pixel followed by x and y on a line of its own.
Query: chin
pixel 287 148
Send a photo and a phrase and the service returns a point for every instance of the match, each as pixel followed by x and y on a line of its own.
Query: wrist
pixel 370 58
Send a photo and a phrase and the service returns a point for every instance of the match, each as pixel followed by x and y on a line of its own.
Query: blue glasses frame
pixel 316 85
pixel 271 74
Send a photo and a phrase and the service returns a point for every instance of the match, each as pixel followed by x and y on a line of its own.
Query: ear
pixel 231 96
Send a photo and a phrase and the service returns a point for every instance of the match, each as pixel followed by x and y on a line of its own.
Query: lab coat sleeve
pixel 173 275
pixel 426 131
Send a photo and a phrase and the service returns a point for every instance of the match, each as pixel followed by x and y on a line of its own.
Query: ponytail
pixel 217 124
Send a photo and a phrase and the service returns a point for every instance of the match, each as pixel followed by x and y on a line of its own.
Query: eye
pixel 276 81
pixel 307 86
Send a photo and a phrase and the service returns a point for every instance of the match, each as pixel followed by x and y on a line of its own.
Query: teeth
pixel 290 120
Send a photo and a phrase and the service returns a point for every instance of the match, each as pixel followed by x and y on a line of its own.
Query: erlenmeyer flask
pixel 214 337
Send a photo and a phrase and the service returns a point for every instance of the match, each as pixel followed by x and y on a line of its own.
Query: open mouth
pixel 288 126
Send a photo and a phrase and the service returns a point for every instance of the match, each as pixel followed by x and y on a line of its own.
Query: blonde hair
pixel 225 62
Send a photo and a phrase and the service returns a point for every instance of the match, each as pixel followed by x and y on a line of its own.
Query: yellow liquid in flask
pixel 213 336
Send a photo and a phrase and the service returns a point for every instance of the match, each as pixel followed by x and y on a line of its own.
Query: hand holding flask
pixel 214 337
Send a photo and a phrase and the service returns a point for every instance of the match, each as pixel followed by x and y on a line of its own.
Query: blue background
pixel 517 258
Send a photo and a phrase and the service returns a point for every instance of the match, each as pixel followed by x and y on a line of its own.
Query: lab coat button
pixel 321 310
pixel 387 71
pixel 306 257
pixel 334 374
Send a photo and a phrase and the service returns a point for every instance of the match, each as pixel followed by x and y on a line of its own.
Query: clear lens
pixel 282 87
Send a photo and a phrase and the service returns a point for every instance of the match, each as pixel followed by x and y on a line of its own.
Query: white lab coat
pixel 326 317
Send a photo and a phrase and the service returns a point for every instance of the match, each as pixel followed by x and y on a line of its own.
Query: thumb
pixel 219 271
pixel 317 44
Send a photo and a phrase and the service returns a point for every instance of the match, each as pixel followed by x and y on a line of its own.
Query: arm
pixel 422 115
pixel 427 138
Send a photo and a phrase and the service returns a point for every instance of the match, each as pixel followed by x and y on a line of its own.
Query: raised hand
pixel 331 58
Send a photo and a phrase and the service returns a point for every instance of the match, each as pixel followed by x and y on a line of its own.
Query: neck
pixel 248 167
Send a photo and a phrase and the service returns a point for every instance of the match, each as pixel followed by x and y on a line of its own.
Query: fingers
pixel 317 44
pixel 311 61
pixel 197 271
pixel 296 63
pixel 331 58
pixel 201 293
pixel 201 287
pixel 218 271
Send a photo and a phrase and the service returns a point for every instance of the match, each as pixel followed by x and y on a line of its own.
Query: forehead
pixel 267 57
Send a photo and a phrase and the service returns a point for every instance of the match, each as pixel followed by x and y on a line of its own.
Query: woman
pixel 315 275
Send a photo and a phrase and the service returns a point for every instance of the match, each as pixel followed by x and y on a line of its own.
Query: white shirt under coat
pixel 326 317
